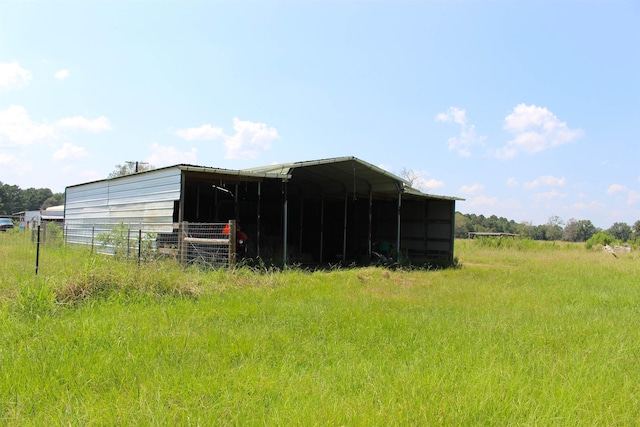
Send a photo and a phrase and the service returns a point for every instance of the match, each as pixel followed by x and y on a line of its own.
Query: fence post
pixel 183 232
pixel 38 251
pixel 129 242
pixel 139 245
pixel 232 243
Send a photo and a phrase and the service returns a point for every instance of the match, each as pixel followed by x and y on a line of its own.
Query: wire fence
pixel 34 247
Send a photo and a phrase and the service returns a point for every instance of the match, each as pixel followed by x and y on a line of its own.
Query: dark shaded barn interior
pixel 333 211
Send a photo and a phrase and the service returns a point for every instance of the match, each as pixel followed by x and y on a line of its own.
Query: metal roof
pixel 331 176
pixel 345 174
pixel 199 169
pixel 246 173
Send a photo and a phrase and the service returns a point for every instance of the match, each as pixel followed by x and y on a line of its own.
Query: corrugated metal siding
pixel 426 233
pixel 145 200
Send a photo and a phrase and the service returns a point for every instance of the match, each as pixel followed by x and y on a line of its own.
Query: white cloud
pixel 17 128
pixel 70 152
pixel 546 180
pixel 456 115
pixel 7 159
pixel 616 188
pixel 634 197
pixel 164 156
pixel 249 140
pixel 472 189
pixel 594 204
pixel 512 182
pixel 425 185
pixel 204 132
pixel 62 74
pixel 90 175
pixel 418 181
pixel 467 138
pixel 77 122
pixel 13 76
pixel 536 129
pixel 553 194
pixel 481 201
pixel 465 141
pixel 15 165
pixel 506 153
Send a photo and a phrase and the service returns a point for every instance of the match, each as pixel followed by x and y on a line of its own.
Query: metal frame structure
pixel 335 211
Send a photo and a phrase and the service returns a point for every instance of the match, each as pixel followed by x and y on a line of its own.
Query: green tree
pixel 462 226
pixel 526 229
pixel 554 228
pixel 599 239
pixel 579 230
pixel 636 230
pixel 32 198
pixel 129 168
pixel 13 199
pixel 621 231
pixel 10 199
pixel 55 200
pixel 1 198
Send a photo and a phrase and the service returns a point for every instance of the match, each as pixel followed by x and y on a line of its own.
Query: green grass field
pixel 531 334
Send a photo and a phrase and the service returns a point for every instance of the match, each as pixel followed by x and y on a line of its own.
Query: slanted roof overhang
pixel 203 172
pixel 344 175
pixel 240 174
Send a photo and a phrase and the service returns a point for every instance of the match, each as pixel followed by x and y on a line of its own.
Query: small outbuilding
pixel 331 211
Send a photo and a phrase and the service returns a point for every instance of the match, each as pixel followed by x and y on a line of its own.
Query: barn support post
pixel 426 228
pixel 232 243
pixel 236 208
pixel 453 232
pixel 398 230
pixel 286 226
pixel 344 228
pixel 183 189
pixel 301 222
pixel 258 221
pixel 321 225
pixel 182 232
pixel 198 202
pixel 370 224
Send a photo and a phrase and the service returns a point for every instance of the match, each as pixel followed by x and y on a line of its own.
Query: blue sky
pixel 527 109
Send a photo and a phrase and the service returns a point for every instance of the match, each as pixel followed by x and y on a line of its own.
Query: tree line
pixel 574 230
pixel 14 199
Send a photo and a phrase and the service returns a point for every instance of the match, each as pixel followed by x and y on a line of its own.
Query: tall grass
pixel 543 335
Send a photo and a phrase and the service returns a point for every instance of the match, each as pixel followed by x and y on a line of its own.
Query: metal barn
pixel 332 211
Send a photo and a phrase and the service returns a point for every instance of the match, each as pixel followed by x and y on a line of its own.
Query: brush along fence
pixel 206 244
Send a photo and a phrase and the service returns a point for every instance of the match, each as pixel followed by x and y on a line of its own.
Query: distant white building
pixel 32 219
pixel 53 213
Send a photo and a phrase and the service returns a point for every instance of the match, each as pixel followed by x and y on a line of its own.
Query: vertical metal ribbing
pixel 258 221
pixel 344 231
